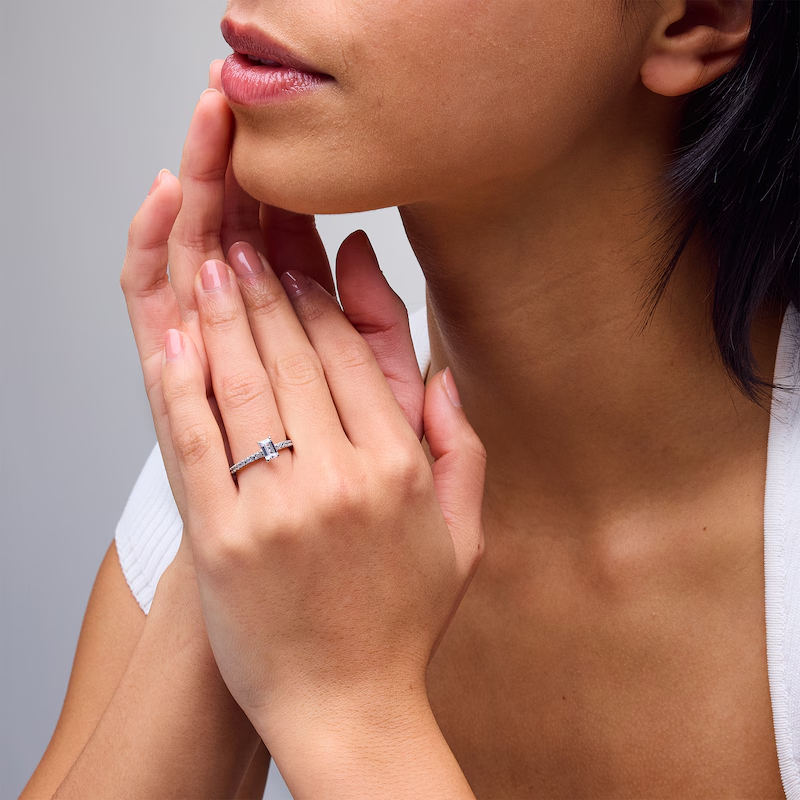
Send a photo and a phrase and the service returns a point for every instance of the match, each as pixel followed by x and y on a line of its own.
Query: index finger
pixel 204 161
pixel 214 74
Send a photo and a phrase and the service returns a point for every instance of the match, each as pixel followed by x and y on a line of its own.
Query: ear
pixel 693 42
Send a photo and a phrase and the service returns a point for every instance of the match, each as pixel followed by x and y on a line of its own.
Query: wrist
pixel 178 615
pixel 177 589
pixel 176 626
pixel 373 745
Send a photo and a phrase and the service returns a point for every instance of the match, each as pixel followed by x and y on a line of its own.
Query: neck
pixel 535 302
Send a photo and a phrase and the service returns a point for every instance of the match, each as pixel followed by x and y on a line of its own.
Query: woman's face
pixel 432 98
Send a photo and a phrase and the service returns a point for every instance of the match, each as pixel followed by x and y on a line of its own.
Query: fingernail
pixel 214 275
pixel 157 181
pixel 450 386
pixel 367 242
pixel 173 344
pixel 207 91
pixel 245 260
pixel 295 282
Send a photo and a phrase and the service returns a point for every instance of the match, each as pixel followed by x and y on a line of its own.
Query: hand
pixel 328 575
pixel 205 214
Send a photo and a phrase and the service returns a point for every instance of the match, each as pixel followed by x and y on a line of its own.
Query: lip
pixel 247 39
pixel 248 83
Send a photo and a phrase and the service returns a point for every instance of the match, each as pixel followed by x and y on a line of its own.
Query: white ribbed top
pixel 782 554
pixel 149 532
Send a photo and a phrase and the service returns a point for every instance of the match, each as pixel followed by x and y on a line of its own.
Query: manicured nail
pixel 157 181
pixel 214 275
pixel 368 244
pixel 173 344
pixel 295 282
pixel 450 386
pixel 245 260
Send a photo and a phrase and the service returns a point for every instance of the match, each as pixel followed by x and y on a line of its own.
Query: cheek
pixel 439 95
pixel 480 89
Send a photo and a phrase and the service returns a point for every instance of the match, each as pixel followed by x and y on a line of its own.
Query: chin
pixel 308 175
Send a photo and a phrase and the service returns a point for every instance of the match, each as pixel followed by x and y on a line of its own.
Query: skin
pixel 612 642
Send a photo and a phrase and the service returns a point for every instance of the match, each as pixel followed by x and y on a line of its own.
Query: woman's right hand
pixel 204 214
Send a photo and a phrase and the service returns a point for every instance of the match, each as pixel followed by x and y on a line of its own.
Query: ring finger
pixel 241 386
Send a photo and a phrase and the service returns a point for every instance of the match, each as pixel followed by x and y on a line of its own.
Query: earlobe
pixel 694 42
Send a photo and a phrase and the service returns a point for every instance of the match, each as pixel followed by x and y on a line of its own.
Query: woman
pixel 560 592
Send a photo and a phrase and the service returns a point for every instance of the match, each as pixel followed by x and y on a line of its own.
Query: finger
pixel 459 468
pixel 369 412
pixel 293 241
pixel 240 216
pixel 241 386
pixel 151 301
pixel 152 305
pixel 381 317
pixel 215 73
pixel 204 162
pixel 295 373
pixel 211 494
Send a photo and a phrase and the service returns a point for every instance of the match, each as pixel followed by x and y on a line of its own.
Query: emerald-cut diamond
pixel 268 449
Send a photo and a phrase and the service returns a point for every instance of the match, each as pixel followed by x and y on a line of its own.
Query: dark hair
pixel 735 173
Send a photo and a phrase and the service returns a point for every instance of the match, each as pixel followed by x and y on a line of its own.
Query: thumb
pixel 459 467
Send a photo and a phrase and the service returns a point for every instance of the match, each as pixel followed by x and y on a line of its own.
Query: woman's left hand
pixel 329 574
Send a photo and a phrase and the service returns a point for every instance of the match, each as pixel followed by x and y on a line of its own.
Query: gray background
pixel 97 97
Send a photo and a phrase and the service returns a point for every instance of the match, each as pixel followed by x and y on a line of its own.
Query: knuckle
pixel 178 390
pixel 407 471
pixel 262 296
pixel 192 443
pixel 341 493
pixel 297 370
pixel 128 284
pixel 133 237
pixel 478 449
pixel 195 239
pixel 240 389
pixel 220 317
pixel 350 355
pixel 345 496
pixel 312 307
pixel 223 551
pixel 238 220
pixel 124 279
pixel 136 240
pixel 154 391
pixel 210 175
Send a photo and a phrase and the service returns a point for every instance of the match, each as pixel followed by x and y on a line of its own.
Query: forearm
pixel 171 729
pixel 393 750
